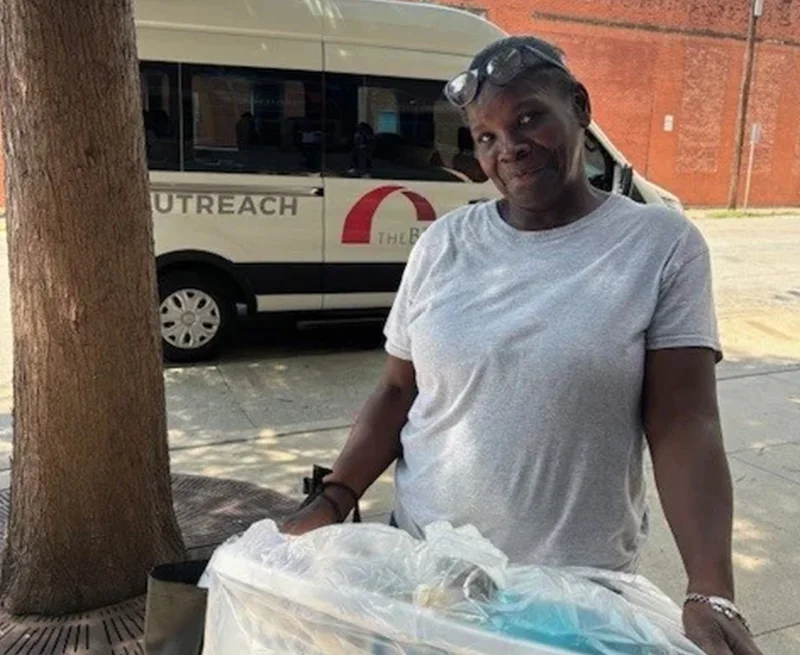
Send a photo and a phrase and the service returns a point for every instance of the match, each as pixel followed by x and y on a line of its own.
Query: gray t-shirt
pixel 529 351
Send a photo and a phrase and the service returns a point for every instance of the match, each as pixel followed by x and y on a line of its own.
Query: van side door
pixel 397 157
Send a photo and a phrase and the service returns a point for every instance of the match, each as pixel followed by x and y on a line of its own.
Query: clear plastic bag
pixel 373 590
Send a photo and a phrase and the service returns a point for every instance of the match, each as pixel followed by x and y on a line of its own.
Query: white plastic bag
pixel 371 589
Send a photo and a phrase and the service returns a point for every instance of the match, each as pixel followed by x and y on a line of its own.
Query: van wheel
pixel 194 315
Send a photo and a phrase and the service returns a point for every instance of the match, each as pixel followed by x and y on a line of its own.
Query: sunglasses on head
pixel 499 70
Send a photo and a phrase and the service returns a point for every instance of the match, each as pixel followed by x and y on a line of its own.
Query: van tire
pixel 195 315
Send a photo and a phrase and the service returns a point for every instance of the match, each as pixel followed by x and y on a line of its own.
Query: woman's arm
pixel 373 444
pixel 681 421
pixel 681 418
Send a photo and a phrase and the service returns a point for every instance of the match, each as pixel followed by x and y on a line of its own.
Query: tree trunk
pixel 91 506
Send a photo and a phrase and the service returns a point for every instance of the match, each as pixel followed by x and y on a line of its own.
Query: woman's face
pixel 529 138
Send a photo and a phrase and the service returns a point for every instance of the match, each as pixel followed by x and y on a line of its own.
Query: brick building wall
pixel 646 61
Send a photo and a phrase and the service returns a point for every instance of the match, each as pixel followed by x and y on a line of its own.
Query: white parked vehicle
pixel 298 148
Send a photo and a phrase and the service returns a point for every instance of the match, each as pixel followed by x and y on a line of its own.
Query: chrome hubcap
pixel 190 318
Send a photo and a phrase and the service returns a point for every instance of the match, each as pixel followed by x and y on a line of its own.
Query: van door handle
pixel 318 191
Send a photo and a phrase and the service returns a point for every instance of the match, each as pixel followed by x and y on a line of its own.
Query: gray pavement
pixel 284 399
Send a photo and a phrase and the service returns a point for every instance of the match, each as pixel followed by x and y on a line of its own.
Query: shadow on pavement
pixel 258 338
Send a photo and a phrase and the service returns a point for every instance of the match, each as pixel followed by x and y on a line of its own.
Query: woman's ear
pixel 583 104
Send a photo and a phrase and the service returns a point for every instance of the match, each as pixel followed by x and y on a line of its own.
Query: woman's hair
pixel 562 78
pixel 482 58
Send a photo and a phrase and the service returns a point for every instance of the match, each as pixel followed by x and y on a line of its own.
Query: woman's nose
pixel 512 148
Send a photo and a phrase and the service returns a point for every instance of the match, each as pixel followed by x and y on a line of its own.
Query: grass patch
pixel 749 213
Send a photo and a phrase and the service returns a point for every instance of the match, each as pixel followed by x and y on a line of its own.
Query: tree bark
pixel 91 506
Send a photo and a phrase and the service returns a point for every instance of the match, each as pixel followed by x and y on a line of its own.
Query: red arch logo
pixel 358 223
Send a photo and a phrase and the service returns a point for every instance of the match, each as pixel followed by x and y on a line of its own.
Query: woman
pixel 532 344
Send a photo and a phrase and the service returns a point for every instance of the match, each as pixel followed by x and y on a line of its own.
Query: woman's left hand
pixel 715 633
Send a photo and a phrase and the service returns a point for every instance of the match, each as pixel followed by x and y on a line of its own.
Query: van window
pixel 159 89
pixel 395 129
pixel 636 195
pixel 599 164
pixel 241 120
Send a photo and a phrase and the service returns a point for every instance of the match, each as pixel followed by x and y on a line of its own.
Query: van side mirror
pixel 626 180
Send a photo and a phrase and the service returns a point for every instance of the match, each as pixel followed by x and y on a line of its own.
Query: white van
pixel 297 150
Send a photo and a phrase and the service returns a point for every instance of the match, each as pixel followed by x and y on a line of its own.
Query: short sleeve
pixel 684 316
pixel 398 340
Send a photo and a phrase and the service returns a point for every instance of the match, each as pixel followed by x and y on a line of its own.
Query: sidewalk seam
pixel 233 396
pixel 258 437
pixel 743 376
pixel 766 470
pixel 778 444
pixel 774 630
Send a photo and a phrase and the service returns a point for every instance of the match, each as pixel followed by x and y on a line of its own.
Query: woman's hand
pixel 715 633
pixel 316 514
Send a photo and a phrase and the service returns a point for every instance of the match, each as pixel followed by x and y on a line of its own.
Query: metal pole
pixel 753 140
pixel 744 99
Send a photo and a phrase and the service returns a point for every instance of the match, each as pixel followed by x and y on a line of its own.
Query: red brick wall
pixel 644 61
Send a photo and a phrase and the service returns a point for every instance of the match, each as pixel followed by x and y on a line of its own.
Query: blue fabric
pixel 567 625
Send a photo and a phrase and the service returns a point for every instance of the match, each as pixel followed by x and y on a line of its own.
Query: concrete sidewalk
pixel 268 419
pixel 265 414
pixel 254 421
